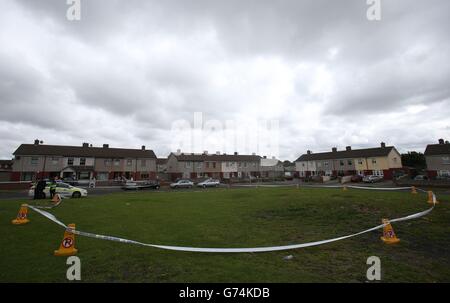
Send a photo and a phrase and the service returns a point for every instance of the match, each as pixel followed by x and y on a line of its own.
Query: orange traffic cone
pixel 413 190
pixel 67 246
pixel 431 198
pixel 389 236
pixel 56 199
pixel 22 215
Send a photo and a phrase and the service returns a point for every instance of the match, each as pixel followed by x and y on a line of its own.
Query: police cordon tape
pixel 386 223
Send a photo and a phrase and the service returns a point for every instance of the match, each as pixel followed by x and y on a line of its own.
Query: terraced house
pixel 219 166
pixel 380 161
pixel 437 157
pixel 82 162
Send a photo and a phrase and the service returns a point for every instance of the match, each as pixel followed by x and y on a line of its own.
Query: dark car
pixel 357 178
pixel 138 185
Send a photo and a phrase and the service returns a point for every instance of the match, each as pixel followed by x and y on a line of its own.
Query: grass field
pixel 231 218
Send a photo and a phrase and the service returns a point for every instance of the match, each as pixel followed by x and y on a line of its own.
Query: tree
pixel 414 159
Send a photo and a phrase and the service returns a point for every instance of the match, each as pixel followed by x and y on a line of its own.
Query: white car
pixel 182 184
pixel 372 179
pixel 64 189
pixel 209 183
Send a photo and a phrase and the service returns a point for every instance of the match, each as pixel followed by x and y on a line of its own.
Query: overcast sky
pixel 128 69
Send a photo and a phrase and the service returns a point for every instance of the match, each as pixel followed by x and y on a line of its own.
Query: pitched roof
pixel 344 154
pixel 215 157
pixel 437 149
pixel 161 161
pixel 79 151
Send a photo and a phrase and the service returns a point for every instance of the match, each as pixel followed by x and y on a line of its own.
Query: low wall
pixel 15 185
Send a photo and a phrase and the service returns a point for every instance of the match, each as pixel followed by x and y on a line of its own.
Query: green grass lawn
pixel 231 218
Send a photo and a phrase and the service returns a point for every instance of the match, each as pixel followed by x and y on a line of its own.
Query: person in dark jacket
pixel 40 189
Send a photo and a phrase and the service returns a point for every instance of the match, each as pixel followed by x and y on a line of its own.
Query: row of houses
pixel 37 160
pixel 382 161
pixel 85 162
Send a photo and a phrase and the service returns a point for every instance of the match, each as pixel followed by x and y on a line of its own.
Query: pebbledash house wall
pixel 133 166
pixel 367 165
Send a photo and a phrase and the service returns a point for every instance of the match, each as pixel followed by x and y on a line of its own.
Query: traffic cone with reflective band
pixel 67 246
pixel 56 199
pixel 389 236
pixel 22 216
pixel 413 190
pixel 431 198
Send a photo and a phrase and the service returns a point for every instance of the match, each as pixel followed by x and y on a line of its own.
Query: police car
pixel 64 189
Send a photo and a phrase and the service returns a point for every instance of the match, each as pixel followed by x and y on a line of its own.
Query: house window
pixel 378 173
pixel 54 161
pixel 245 164
pixel 82 161
pixel 341 162
pixel 395 159
pixel 254 164
pixel 360 161
pixel 214 164
pixel 27 176
pixel 102 176
pixel 207 164
pixel 116 162
pixel 374 161
pixel 326 164
pixel 319 164
pixel 188 164
pixel 350 162
pixel 145 176
pixel 143 162
pixel 199 164
pixel 70 161
pixel 240 164
pixel 129 162
pixel 445 160
pixel 303 164
pixel 107 162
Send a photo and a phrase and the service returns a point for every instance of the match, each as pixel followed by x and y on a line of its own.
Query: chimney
pixel 205 152
pixel 85 144
pixel 348 148
pixel 105 145
pixel 253 154
pixel 308 152
pixel 143 147
pixel 446 142
pixel 383 145
pixel 334 149
pixel 178 152
pixel 441 141
pixel 217 152
pixel 264 157
pixel 36 142
pixel 235 153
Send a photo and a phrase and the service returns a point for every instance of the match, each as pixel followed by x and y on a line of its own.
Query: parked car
pixel 420 178
pixel 357 178
pixel 70 181
pixel 183 183
pixel 372 179
pixel 209 183
pixel 137 185
pixel 64 189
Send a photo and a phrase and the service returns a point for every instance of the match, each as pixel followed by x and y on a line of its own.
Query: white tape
pixel 231 250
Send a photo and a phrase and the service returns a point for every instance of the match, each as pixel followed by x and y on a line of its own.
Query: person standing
pixel 53 188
